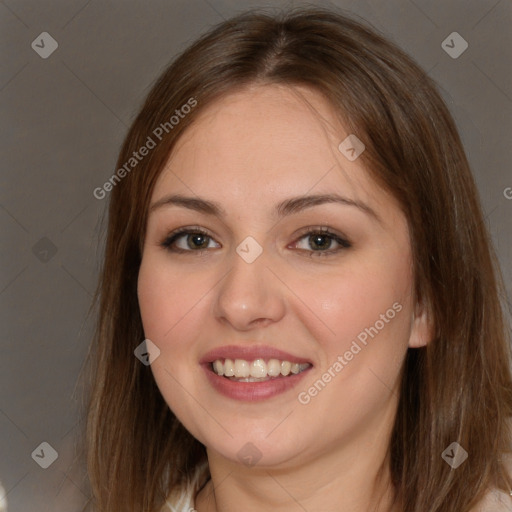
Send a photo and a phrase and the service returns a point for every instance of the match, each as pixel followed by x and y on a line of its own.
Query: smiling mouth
pixel 257 370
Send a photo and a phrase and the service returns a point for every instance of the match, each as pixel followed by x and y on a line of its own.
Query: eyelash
pixel 320 230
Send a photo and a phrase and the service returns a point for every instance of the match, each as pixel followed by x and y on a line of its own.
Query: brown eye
pixel 319 242
pixel 196 240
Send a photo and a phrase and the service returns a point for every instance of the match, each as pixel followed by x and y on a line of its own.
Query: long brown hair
pixel 457 388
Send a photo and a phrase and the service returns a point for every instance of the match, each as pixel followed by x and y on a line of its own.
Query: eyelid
pixel 177 233
pixel 322 229
pixel 339 238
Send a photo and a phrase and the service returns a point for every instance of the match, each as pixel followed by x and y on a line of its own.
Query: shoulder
pixel 182 499
pixel 3 501
pixel 179 502
pixel 496 500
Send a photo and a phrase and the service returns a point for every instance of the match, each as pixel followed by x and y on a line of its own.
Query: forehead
pixel 265 141
pixel 264 123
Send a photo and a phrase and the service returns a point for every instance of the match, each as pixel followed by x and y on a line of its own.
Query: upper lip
pixel 250 353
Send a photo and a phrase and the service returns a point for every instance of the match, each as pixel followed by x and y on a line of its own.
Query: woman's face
pixel 263 288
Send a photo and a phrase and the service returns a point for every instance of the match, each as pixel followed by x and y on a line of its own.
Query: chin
pixel 258 449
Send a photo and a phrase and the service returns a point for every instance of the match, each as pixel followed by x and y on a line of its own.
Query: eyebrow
pixel 283 209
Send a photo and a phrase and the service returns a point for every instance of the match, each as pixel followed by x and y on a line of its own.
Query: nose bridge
pixel 249 292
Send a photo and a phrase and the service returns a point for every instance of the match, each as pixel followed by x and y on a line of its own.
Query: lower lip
pixel 252 391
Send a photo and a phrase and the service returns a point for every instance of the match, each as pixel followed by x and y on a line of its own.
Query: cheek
pixel 164 304
pixel 360 298
pixel 164 298
pixel 369 314
pixel 154 300
pixel 173 307
pixel 368 311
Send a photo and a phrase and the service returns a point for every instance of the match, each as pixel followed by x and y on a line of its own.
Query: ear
pixel 422 328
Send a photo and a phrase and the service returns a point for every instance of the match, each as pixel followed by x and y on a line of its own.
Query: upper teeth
pixel 240 368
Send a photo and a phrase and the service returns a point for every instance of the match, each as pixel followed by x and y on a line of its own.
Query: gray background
pixel 63 120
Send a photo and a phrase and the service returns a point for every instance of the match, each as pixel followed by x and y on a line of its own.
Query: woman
pixel 299 306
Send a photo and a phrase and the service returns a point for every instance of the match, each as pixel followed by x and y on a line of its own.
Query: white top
pixel 494 502
pixel 3 500
pixel 183 500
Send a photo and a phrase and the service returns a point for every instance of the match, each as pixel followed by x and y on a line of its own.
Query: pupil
pixel 196 240
pixel 316 238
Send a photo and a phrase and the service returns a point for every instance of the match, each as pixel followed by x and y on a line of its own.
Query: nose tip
pixel 249 295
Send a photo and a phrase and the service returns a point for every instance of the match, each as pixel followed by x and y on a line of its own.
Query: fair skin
pixel 248 152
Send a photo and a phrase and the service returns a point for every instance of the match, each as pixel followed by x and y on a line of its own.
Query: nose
pixel 249 295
